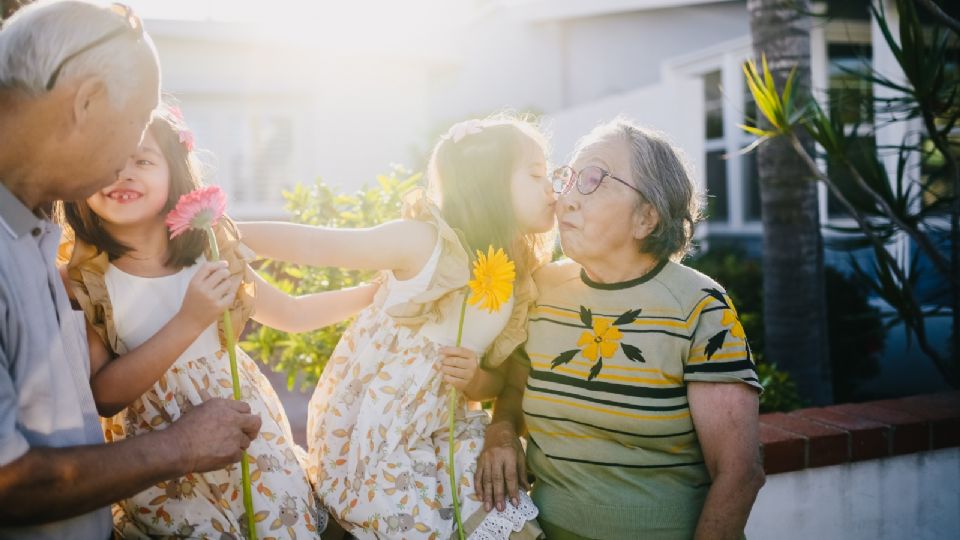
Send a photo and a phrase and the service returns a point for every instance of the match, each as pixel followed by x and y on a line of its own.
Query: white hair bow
pixel 462 129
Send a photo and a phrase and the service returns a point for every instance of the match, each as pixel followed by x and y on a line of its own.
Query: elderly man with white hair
pixel 78 83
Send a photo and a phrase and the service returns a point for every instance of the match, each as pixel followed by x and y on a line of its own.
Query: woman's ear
pixel 645 221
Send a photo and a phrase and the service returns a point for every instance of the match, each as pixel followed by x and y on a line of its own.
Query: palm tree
pixel 793 275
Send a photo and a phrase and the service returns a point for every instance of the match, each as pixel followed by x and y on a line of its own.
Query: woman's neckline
pixel 650 274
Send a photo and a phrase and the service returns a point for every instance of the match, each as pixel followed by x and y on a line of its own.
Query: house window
pixel 850 101
pixel 267 166
pixel 716 167
pixel 733 194
pixel 751 188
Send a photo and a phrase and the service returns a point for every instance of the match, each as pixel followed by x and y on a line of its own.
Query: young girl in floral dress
pixel 377 430
pixel 156 351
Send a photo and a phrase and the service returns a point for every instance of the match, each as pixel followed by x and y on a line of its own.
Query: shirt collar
pixel 15 218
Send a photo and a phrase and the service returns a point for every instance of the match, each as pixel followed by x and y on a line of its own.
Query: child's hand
pixel 211 291
pixel 459 367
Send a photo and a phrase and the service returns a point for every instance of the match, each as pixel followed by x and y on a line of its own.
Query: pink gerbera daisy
pixel 198 210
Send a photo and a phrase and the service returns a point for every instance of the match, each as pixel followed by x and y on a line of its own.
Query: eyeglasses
pixel 587 180
pixel 132 25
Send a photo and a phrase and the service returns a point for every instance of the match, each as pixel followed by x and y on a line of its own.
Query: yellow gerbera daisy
pixel 602 341
pixel 730 317
pixel 492 282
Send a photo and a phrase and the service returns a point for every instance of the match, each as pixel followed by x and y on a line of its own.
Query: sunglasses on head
pixel 132 26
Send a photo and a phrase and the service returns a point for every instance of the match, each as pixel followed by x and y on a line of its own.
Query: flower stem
pixel 450 417
pixel 235 376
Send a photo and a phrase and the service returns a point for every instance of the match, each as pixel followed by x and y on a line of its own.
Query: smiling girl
pixel 156 351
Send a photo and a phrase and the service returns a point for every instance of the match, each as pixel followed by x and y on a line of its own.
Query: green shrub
pixel 307 353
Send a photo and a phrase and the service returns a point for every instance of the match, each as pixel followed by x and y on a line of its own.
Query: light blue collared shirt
pixel 45 397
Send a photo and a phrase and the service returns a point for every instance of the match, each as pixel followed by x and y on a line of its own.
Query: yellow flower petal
pixel 585 338
pixel 613 333
pixel 600 326
pixel 590 351
pixel 608 349
pixel 492 283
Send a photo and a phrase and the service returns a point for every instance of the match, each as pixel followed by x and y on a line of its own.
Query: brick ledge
pixel 818 437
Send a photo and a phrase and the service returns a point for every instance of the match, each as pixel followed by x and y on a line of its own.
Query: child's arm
pixel 461 368
pixel 402 246
pixel 294 314
pixel 118 382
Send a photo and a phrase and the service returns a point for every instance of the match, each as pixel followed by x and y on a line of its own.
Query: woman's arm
pixel 294 314
pixel 118 382
pixel 726 419
pixel 402 246
pixel 501 467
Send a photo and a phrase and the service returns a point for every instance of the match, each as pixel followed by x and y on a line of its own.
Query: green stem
pixel 235 376
pixel 453 402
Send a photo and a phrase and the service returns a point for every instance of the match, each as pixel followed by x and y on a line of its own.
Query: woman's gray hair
pixel 661 174
pixel 39 36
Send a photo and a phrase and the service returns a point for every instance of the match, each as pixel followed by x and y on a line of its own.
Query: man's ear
pixel 645 221
pixel 89 93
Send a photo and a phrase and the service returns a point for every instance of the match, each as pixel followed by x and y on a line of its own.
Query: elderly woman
pixel 636 387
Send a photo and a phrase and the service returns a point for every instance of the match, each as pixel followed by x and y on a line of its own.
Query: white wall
pixel 617 53
pixel 916 496
pixel 674 107
pixel 505 63
pixel 349 115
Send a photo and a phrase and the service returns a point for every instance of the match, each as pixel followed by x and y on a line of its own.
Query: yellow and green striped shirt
pixel 611 440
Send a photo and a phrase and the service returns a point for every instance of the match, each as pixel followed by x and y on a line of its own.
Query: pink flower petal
pixel 197 210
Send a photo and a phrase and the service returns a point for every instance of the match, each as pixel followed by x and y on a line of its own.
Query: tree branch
pixel 941 15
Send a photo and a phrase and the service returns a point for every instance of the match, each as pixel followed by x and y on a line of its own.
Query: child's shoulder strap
pixel 86 271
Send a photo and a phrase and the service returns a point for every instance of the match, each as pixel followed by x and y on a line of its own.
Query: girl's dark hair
pixel 185 177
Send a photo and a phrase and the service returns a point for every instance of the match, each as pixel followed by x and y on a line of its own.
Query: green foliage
pixel 742 278
pixel 319 204
pixel 889 203
pixel 855 327
pixel 779 391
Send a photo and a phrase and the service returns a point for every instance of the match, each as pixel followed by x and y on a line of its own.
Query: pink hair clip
pixel 183 132
pixel 187 139
pixel 460 130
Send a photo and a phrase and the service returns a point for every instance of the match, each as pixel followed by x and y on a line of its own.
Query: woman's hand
pixel 210 292
pixel 501 467
pixel 459 366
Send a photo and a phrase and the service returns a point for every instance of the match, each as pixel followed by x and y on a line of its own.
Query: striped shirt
pixel 611 440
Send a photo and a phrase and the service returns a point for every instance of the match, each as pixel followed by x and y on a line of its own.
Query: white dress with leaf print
pixel 378 429
pixel 207 505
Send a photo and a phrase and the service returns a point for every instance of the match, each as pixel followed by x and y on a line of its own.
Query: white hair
pixel 662 176
pixel 38 37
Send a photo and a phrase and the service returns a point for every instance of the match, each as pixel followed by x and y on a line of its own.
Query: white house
pixel 275 108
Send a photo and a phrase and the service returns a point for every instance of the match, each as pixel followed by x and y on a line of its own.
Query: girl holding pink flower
pixel 156 350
